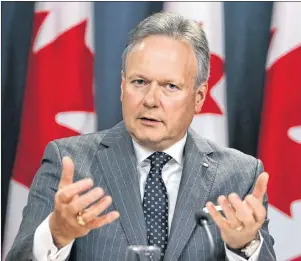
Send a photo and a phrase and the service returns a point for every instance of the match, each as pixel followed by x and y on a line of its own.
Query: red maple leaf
pixel 280 154
pixel 217 72
pixel 59 79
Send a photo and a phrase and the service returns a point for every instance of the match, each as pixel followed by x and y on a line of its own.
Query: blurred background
pixel 60 71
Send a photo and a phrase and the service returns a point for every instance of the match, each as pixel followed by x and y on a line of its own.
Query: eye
pixel 172 87
pixel 139 82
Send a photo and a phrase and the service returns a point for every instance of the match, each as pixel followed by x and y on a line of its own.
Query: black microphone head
pixel 200 216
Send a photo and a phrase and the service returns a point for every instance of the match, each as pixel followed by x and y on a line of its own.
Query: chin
pixel 148 138
pixel 149 141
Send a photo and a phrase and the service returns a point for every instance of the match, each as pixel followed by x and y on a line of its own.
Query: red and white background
pixel 280 141
pixel 59 102
pixel 58 99
pixel 212 121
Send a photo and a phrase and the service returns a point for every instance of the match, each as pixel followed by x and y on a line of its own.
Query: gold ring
pixel 80 219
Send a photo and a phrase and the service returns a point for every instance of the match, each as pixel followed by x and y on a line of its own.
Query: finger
pixel 242 211
pixel 229 212
pixel 261 186
pixel 68 193
pixel 259 210
pixel 95 210
pixel 104 220
pixel 67 172
pixel 217 217
pixel 85 200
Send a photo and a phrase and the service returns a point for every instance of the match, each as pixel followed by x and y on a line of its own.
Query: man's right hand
pixel 68 204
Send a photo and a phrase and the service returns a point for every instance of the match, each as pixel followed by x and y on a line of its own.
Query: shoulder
pixel 232 156
pixel 85 145
pixel 234 167
pixel 221 153
pixel 80 143
pixel 82 149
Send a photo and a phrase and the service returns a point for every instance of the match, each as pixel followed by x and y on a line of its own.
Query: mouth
pixel 149 121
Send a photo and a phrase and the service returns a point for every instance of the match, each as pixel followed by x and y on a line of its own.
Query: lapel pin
pixel 205 165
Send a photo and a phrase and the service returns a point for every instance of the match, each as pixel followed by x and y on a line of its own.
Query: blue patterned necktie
pixel 155 203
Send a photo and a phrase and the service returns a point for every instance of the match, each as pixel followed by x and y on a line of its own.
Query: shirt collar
pixel 175 151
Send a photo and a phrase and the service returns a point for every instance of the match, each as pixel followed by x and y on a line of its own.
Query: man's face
pixel 158 91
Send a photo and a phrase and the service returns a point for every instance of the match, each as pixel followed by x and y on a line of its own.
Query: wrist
pixel 248 249
pixel 241 244
pixel 237 246
pixel 59 240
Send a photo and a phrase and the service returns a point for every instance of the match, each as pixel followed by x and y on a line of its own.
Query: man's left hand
pixel 243 218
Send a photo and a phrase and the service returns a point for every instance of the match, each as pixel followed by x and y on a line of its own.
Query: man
pixel 154 170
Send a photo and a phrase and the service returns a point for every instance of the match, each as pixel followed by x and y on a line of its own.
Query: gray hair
pixel 175 26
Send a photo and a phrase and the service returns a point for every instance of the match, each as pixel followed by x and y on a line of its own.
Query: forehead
pixel 162 56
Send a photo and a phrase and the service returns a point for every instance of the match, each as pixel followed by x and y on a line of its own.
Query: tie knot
pixel 159 159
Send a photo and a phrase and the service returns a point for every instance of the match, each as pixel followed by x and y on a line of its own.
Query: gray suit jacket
pixel 108 158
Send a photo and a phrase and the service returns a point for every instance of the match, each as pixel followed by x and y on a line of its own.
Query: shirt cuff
pixel 234 257
pixel 44 248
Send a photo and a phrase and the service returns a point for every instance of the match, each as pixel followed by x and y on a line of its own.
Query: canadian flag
pixel 280 140
pixel 212 121
pixel 58 99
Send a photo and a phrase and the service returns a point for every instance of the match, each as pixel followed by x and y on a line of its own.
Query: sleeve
pixel 39 203
pixel 44 248
pixel 234 257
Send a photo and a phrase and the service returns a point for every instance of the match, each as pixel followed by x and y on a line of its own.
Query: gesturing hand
pixel 242 218
pixel 68 204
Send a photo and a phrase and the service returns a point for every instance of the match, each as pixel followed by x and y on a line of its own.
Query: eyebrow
pixel 137 75
pixel 140 75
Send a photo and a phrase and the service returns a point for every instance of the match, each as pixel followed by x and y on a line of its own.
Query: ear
pixel 122 85
pixel 200 96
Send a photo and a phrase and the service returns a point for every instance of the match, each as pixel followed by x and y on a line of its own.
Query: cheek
pixel 131 100
pixel 179 114
pixel 178 107
pixel 129 96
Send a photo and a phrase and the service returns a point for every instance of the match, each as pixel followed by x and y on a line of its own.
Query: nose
pixel 151 98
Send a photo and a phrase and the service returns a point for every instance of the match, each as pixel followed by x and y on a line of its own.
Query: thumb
pixel 67 172
pixel 261 186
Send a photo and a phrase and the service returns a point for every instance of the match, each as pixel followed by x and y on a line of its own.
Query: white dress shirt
pixel 43 245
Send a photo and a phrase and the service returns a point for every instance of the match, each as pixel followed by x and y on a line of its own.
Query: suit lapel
pixel 118 164
pixel 198 175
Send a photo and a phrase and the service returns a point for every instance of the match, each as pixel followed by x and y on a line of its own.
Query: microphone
pixel 202 219
pixel 143 253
